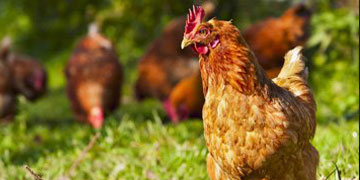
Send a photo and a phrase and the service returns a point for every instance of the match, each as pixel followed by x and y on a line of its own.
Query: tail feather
pixel 294 64
pixel 93 29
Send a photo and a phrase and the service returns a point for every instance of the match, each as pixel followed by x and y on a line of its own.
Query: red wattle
pixel 201 48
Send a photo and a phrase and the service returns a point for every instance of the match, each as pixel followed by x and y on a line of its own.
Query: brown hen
pixel 255 128
pixel 94 78
pixel 269 39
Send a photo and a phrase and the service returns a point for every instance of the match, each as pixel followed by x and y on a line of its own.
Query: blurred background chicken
pixel 29 75
pixel 94 78
pixel 273 37
pixel 255 127
pixel 164 64
pixel 269 39
pixel 7 93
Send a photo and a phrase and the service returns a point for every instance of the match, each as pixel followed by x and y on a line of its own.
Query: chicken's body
pixel 255 128
pixel 94 78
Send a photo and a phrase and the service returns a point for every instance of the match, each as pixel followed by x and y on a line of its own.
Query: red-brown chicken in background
pixel 164 64
pixel 94 78
pixel 7 93
pixel 269 39
pixel 272 38
pixel 255 128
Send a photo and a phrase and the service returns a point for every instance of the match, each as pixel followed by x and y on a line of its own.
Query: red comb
pixel 194 18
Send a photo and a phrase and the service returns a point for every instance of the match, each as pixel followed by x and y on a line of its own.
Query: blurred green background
pixel 49 31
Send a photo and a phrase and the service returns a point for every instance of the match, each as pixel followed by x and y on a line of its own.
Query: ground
pixel 136 143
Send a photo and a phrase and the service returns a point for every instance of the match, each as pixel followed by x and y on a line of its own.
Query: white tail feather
pixel 93 29
pixel 6 42
pixel 294 64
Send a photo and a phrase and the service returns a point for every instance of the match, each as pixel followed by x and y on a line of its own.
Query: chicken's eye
pixel 202 31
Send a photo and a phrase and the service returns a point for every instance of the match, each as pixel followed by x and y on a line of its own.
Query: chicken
pixel 255 128
pixel 94 78
pixel 164 64
pixel 270 40
pixel 7 93
pixel 186 99
pixel 29 76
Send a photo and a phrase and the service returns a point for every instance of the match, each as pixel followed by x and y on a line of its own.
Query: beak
pixel 186 42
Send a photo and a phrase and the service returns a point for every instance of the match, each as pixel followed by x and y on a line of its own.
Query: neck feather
pixel 233 62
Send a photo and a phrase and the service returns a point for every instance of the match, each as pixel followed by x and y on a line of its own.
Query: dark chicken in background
pixel 164 64
pixel 7 93
pixel 29 75
pixel 94 78
pixel 255 127
pixel 269 39
pixel 19 75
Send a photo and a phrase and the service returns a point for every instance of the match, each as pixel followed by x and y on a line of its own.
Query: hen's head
pixel 223 52
pixel 175 113
pixel 201 35
pixel 35 84
pixel 208 36
pixel 30 77
pixel 38 79
pixel 96 117
pixel 296 22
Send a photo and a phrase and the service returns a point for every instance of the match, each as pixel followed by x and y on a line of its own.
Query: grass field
pixel 134 144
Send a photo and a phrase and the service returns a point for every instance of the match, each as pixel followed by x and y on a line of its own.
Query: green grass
pixel 134 144
pixel 137 142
